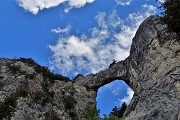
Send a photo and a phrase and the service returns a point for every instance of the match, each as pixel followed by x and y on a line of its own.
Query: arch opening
pixel 113 94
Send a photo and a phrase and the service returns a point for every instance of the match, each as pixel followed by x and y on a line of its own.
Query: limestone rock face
pixel 152 70
pixel 31 92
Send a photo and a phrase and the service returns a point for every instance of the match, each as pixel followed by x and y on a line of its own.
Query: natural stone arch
pixel 150 70
pixel 118 71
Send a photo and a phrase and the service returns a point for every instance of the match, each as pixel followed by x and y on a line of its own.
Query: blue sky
pixel 74 36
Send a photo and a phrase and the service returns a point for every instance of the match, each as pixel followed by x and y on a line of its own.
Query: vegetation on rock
pixel 73 115
pixel 91 113
pixel 8 107
pixel 111 117
pixel 119 111
pixel 42 69
pixel 171 14
pixel 70 102
pixel 44 96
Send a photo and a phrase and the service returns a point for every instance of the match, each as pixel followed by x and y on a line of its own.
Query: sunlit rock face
pixel 152 70
pixel 154 73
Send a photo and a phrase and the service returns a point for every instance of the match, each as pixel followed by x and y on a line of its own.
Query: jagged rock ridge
pixel 152 70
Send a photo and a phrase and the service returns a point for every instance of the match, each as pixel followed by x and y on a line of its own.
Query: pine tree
pixel 122 110
pixel 115 111
pixel 171 14
pixel 119 111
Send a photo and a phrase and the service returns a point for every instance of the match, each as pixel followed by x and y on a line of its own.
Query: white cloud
pixel 111 39
pixel 34 6
pixel 161 1
pixel 123 2
pixel 133 21
pixel 128 98
pixel 115 87
pixel 59 30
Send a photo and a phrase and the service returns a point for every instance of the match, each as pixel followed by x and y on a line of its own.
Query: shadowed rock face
pixel 152 70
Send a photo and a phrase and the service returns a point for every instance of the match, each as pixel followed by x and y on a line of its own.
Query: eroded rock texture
pixel 152 70
pixel 30 92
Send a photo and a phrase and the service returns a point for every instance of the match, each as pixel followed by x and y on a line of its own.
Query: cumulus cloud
pixel 34 6
pixel 111 39
pixel 128 98
pixel 123 2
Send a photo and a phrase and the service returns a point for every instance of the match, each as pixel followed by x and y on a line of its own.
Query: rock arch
pixel 116 71
pixel 151 70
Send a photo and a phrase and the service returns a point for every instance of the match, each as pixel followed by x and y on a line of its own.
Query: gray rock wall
pixel 31 92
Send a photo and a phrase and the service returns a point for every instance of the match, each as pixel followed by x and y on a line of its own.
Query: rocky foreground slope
pixel 30 92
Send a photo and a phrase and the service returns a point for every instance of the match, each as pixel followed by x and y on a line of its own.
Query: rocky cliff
pixel 31 92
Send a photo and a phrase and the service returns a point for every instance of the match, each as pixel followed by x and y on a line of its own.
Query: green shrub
pixel 171 14
pixel 51 115
pixel 119 111
pixel 39 96
pixel 70 102
pixel 42 98
pixel 14 68
pixel 42 69
pixel 8 107
pixel 30 76
pixel 22 91
pixel 48 74
pixel 28 61
pixel 111 117
pixel 73 115
pixel 91 113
